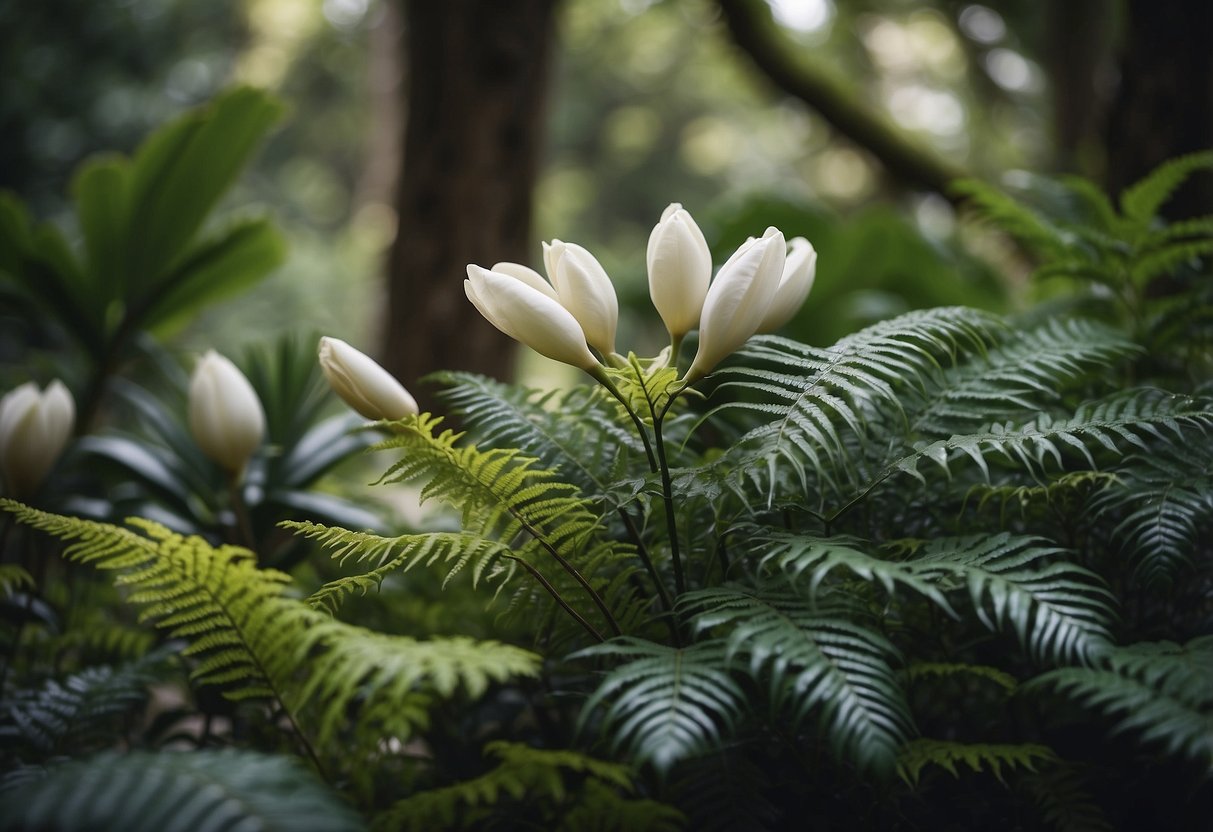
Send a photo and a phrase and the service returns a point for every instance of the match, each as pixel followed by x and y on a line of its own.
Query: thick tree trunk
pixel 477 78
pixel 1164 107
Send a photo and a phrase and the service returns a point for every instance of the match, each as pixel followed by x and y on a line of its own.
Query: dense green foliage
pixel 950 571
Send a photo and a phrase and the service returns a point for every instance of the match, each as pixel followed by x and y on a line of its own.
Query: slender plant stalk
pixel 564 605
pixel 244 525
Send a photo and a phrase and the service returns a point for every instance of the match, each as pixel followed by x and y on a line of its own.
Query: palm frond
pixel 171 792
pixel 809 658
pixel 664 704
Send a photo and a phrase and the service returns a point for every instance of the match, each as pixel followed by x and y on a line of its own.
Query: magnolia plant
pixel 34 428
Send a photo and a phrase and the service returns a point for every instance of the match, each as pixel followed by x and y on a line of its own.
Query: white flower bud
pixel 680 267
pixel 738 300
pixel 225 414
pixel 798 274
pixel 363 384
pixel 34 428
pixel 528 315
pixel 585 290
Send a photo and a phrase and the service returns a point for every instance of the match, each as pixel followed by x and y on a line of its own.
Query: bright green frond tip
pixel 990 758
pixel 247 635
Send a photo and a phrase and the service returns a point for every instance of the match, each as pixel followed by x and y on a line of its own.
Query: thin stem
pixel 244 525
pixel 646 559
pixel 599 375
pixel 671 520
pixel 564 605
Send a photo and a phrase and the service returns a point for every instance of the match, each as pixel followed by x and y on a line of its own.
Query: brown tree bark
pixel 476 85
pixel 1164 105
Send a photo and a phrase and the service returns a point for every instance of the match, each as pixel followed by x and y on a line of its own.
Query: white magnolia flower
pixel 363 384
pixel 798 273
pixel 585 290
pixel 225 415
pixel 528 315
pixel 738 300
pixel 34 428
pixel 680 267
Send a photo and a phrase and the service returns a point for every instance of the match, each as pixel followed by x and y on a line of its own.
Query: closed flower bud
pixel 34 428
pixel 225 414
pixel 363 384
pixel 798 273
pixel 680 266
pixel 585 290
pixel 528 315
pixel 738 300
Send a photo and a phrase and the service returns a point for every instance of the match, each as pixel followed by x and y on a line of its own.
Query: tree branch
pixel 908 162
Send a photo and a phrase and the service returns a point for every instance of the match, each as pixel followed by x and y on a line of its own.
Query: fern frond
pixel 176 792
pixel 1112 424
pixel 574 432
pixel 503 495
pixel 1012 216
pixel 664 704
pixel 797 555
pixel 400 554
pixel 809 658
pixel 1167 258
pixel 1159 504
pixel 565 789
pixel 1064 801
pixel 14 578
pixel 1057 609
pixel 812 400
pixel 1025 373
pixel 81 712
pixel 1159 691
pixel 1141 201
pixel 246 634
pixel 934 670
pixel 978 757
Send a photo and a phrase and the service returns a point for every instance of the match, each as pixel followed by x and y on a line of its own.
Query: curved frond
pixel 1057 609
pixel 1142 200
pixel 991 758
pixel 561 789
pixel 665 704
pixel 1159 691
pixel 400 554
pixel 247 635
pixel 176 792
pixel 811 658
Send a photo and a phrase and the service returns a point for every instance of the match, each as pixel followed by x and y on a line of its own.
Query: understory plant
pixel 951 572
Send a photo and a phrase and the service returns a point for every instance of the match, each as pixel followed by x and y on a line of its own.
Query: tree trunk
pixel 477 78
pixel 1164 107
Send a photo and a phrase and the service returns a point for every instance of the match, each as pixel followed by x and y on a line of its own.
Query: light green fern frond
pixel 1142 200
pixel 991 758
pixel 246 634
pixel 574 432
pixel 176 792
pixel 14 578
pixel 400 554
pixel 810 657
pixel 554 787
pixel 1158 691
pixel 557 534
pixel 1012 216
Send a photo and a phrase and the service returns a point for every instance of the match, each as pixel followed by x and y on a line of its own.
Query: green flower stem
pixel 667 491
pixel 667 602
pixel 244 526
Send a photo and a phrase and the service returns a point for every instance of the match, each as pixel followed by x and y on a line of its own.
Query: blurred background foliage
pixel 650 103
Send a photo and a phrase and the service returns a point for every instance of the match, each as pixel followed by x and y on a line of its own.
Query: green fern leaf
pixel 1057 609
pixel 1142 201
pixel 808 658
pixel 664 704
pixel 168 792
pixel 928 670
pixel 14 578
pixel 246 634
pixel 1012 216
pixel 978 757
pixel 1159 691
pixel 541 780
